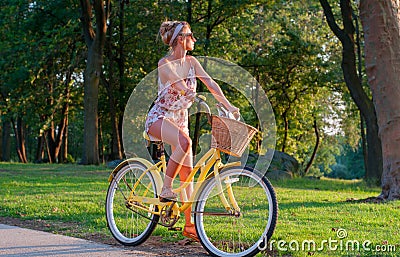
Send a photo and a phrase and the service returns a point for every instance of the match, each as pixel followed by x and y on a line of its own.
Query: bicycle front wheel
pixel 130 225
pixel 246 231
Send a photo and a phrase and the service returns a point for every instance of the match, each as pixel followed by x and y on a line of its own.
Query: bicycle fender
pixel 231 164
pixel 155 173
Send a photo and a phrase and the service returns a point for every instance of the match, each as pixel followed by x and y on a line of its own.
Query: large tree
pixel 346 35
pixel 95 39
pixel 381 24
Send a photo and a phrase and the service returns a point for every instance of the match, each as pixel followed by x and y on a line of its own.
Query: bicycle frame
pixel 205 164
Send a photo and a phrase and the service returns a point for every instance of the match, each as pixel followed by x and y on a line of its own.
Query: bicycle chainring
pixel 168 217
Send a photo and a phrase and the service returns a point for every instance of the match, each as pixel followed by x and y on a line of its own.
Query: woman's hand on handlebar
pixel 235 112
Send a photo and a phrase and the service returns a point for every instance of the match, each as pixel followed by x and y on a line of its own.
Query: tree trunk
pixel 314 153
pixel 121 66
pixel 21 143
pixel 101 143
pixel 55 133
pixel 116 150
pixel 374 150
pixel 91 94
pixel 6 141
pixel 19 131
pixel 40 149
pixel 286 132
pixel 353 82
pixel 62 139
pixel 381 23
pixel 51 144
pixel 364 143
pixel 200 87
pixel 63 157
pixel 362 119
pixel 256 93
pixel 1 143
pixel 95 40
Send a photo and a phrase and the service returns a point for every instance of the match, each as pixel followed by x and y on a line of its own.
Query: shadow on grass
pixel 324 184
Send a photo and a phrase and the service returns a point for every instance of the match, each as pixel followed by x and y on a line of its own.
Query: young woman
pixel 168 118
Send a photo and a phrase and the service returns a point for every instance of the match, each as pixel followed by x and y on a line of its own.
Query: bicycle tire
pixel 130 227
pixel 247 234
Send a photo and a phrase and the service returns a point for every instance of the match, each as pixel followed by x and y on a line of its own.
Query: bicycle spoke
pixel 236 233
pixel 130 225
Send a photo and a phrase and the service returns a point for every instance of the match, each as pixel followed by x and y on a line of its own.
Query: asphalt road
pixel 16 242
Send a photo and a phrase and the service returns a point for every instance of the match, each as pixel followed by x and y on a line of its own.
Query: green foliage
pixel 293 57
pixel 41 62
pixel 285 45
pixel 349 164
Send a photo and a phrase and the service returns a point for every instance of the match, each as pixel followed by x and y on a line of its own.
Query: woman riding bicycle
pixel 167 120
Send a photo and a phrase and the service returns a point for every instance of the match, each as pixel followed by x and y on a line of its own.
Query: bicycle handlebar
pixel 222 111
pixel 201 100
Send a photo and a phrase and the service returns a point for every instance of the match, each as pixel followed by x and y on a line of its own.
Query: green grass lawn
pixel 318 210
pixel 310 211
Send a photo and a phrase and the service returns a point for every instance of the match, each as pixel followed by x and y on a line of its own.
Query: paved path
pixel 15 242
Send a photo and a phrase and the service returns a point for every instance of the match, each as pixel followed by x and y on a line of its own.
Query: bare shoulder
pixel 164 66
pixel 199 70
pixel 193 60
pixel 162 62
pixel 196 64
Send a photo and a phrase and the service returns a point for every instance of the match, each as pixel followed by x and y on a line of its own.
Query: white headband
pixel 176 32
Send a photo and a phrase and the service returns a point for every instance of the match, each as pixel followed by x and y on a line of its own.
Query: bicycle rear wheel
pixel 129 225
pixel 247 232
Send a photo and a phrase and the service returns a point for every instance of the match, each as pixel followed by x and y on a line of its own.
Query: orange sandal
pixel 190 234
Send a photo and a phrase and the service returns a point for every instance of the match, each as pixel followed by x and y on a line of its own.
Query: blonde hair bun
pixel 167 29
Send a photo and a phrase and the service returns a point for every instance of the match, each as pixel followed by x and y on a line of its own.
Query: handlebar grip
pixel 223 112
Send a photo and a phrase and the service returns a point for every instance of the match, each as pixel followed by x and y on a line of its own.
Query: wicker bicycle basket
pixel 231 136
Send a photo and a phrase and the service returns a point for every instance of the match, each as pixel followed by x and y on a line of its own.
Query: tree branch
pixel 347 16
pixel 330 19
pixel 101 18
pixel 88 31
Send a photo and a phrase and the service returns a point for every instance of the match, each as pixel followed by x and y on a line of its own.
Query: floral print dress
pixel 171 104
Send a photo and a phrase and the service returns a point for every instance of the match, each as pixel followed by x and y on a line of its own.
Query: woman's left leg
pixel 189 229
pixel 184 173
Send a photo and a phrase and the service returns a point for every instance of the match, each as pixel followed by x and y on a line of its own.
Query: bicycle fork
pixel 228 182
pixel 230 204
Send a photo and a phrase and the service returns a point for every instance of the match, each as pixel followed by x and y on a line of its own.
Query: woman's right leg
pixel 171 134
pixel 180 161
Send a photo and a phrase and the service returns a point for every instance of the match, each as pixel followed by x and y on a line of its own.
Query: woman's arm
pixel 214 88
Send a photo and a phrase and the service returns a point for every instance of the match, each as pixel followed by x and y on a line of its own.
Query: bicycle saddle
pixel 150 137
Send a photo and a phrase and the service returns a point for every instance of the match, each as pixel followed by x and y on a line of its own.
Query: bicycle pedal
pixel 166 200
pixel 175 229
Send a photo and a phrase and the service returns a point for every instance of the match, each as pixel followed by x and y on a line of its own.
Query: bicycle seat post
pixel 159 151
pixel 160 154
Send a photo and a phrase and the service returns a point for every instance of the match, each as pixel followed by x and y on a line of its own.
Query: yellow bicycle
pixel 234 207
